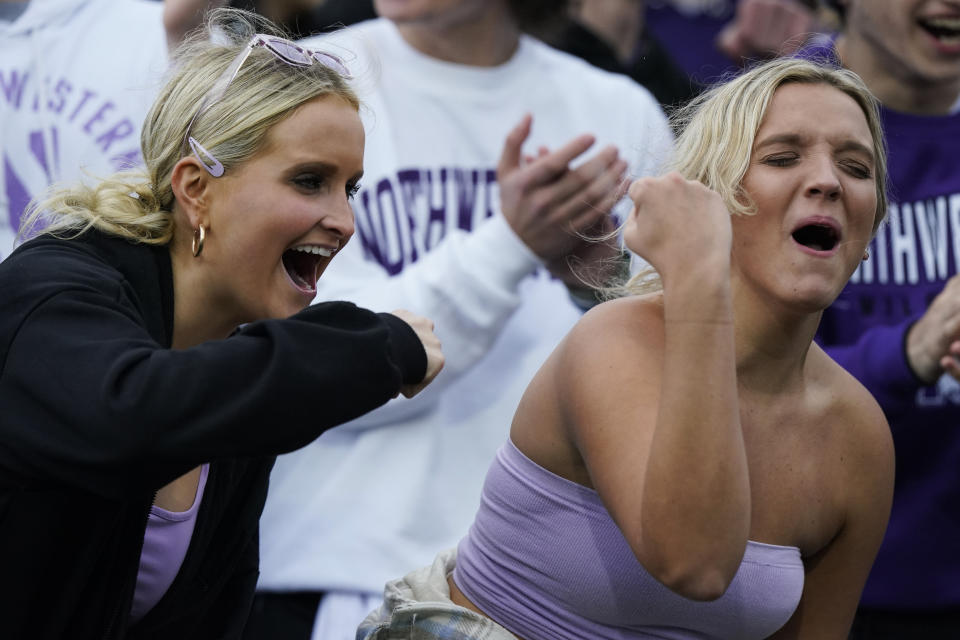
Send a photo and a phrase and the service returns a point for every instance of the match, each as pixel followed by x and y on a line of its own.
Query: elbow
pixel 695 558
pixel 703 584
pixel 696 571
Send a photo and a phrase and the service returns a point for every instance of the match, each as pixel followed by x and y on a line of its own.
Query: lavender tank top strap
pixel 165 546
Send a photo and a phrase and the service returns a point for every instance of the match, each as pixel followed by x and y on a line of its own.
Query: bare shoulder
pixel 581 386
pixel 857 459
pixel 617 345
pixel 624 323
pixel 864 434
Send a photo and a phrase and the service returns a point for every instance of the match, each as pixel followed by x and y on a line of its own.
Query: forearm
pixel 696 498
pixel 120 414
pixel 468 285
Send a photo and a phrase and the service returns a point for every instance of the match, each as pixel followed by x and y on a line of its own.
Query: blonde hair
pixel 717 129
pixel 138 205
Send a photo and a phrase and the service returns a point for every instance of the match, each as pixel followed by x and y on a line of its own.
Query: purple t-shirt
pixel 165 545
pixel 915 252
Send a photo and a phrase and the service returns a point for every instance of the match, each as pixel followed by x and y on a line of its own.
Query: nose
pixel 339 221
pixel 824 179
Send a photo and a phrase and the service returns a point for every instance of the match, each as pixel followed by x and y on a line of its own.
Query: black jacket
pixel 97 413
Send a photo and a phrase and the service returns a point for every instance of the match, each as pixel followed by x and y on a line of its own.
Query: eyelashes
pixel 312 183
pixel 309 182
pixel 854 168
pixel 858 170
pixel 779 161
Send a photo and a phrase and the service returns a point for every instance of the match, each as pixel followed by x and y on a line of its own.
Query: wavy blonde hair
pixel 717 129
pixel 138 205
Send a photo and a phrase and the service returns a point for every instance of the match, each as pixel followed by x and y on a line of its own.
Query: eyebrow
pixel 797 140
pixel 853 145
pixel 321 166
pixel 314 165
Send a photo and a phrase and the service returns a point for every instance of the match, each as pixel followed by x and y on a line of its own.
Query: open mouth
pixel 302 265
pixel 945 29
pixel 819 237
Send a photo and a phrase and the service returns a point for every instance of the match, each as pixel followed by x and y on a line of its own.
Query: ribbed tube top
pixel 545 560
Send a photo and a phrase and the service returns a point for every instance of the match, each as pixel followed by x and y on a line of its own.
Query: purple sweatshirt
pixel 915 252
pixel 689 36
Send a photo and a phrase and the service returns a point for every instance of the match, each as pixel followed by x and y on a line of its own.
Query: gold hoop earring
pixel 199 235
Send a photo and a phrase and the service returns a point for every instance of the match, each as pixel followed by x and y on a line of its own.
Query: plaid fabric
pixel 418 607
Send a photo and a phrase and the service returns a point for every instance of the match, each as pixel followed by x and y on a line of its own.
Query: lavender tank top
pixel 545 560
pixel 164 548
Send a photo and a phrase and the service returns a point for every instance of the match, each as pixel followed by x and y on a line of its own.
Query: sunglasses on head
pixel 289 52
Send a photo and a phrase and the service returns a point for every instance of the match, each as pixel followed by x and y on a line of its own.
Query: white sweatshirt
pixel 77 78
pixel 373 499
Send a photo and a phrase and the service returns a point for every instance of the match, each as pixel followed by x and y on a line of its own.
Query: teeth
pixel 944 23
pixel 320 251
pixel 945 29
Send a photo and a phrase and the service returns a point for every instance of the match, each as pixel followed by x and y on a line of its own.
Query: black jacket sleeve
pixel 90 399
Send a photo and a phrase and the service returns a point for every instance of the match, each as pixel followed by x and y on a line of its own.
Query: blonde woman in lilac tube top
pixel 688 463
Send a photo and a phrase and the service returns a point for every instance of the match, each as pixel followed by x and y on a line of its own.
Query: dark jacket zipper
pixel 115 617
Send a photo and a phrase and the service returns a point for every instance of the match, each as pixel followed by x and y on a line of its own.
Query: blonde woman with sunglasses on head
pixel 138 422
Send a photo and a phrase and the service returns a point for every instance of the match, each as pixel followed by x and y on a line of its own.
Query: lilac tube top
pixel 165 545
pixel 545 560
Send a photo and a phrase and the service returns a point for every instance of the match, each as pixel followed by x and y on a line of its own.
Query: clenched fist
pixel 431 344
pixel 676 221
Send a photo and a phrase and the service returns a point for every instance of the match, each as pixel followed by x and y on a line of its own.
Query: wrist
pixel 925 368
pixel 706 273
pixel 699 296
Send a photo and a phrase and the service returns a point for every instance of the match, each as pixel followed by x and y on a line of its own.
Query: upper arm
pixel 835 576
pixel 608 390
pixel 92 400
pixel 75 407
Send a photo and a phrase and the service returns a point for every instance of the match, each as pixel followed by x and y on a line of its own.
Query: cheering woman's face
pixel 277 220
pixel 812 176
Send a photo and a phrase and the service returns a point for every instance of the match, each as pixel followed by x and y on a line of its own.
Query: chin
pixel 395 10
pixel 812 300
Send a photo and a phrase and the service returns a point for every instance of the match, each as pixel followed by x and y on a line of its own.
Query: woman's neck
pixel 197 317
pixel 486 39
pixel 771 342
pixel 893 85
